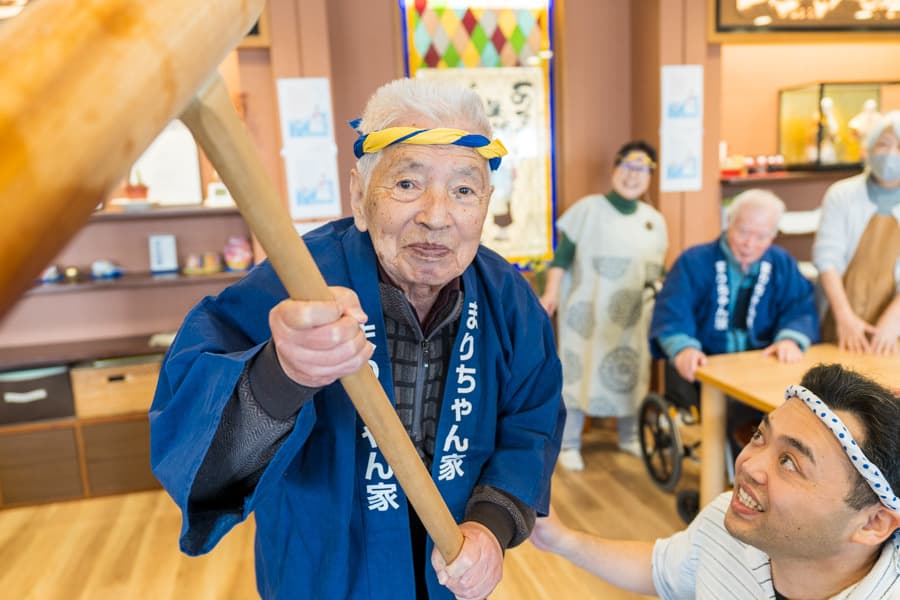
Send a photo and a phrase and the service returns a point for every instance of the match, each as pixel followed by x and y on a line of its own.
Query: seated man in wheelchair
pixel 736 293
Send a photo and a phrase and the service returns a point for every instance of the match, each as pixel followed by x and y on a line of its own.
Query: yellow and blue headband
pixel 375 141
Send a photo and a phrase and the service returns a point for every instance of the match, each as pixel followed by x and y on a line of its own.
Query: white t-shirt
pixel 705 562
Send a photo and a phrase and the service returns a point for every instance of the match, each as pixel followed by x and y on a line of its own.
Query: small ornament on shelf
pixel 72 274
pixel 105 269
pixel 207 263
pixel 217 194
pixel 52 274
pixel 238 254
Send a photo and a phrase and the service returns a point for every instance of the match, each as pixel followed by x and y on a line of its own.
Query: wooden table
pixel 760 382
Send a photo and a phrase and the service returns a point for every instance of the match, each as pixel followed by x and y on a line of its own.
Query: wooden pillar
pixel 673 32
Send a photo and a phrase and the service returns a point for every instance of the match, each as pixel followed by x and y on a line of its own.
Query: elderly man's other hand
pixel 320 342
pixel 687 361
pixel 477 570
pixel 786 351
pixel 852 332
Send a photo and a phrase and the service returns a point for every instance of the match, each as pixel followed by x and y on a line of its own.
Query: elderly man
pixel 248 416
pixel 737 293
pixel 814 514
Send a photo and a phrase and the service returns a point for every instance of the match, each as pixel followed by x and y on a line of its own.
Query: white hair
pixel 757 199
pixel 397 103
pixel 892 120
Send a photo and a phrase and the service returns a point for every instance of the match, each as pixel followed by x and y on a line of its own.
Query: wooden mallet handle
pixel 215 124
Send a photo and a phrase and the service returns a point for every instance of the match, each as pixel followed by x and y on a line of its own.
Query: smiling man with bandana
pixel 814 514
pixel 249 416
pixel 857 249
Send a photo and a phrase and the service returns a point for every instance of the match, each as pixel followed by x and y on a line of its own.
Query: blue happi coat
pixel 331 520
pixel 696 300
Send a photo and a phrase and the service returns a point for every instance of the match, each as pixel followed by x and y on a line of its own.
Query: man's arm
pixel 625 564
pixel 673 326
pixel 255 422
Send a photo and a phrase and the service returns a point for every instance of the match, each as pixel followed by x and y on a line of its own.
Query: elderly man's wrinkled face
pixel 790 486
pixel 424 209
pixel 751 234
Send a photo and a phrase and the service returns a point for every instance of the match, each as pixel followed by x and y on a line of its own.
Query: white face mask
pixel 886 167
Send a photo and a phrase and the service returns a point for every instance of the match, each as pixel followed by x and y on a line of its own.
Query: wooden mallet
pixel 86 87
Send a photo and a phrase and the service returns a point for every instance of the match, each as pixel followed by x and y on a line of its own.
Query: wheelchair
pixel 660 421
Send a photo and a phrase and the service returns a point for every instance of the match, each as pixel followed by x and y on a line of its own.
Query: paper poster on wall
pixel 681 159
pixel 518 222
pixel 170 167
pixel 309 152
pixel 681 128
pixel 682 94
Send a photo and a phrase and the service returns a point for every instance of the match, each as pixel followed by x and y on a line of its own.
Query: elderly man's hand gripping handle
pixel 477 570
pixel 318 342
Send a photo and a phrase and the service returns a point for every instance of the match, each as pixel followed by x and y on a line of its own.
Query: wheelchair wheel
pixel 660 441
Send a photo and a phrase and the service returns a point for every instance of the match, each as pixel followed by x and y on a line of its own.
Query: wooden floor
pixel 125 547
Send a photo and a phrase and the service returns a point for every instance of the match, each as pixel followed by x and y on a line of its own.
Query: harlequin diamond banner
pixel 440 36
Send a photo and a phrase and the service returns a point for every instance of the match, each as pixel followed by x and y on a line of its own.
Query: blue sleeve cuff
pixel 789 334
pixel 673 344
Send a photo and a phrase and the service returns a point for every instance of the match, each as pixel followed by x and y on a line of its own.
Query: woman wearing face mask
pixel 610 247
pixel 857 249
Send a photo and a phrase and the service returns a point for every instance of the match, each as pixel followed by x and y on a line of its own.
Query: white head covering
pixel 892 120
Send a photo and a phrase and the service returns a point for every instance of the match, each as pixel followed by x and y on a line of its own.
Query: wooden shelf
pixel 167 212
pixel 43 355
pixel 789 176
pixel 133 280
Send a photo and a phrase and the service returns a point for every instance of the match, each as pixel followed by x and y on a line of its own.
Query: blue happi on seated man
pixel 736 293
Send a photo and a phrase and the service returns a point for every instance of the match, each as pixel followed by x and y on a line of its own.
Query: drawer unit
pixel 39 466
pixel 115 387
pixel 35 394
pixel 117 456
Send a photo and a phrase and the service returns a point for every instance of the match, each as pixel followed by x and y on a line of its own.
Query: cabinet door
pixel 39 466
pixel 117 456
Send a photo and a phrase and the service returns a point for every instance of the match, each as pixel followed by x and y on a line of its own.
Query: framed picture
pixel 802 20
pixel 258 36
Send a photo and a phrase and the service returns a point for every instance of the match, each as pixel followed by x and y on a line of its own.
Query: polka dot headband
pixel 869 471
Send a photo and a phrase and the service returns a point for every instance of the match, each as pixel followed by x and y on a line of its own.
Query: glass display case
pixel 824 125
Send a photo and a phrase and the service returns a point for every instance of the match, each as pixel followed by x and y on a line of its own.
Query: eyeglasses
pixel 636 167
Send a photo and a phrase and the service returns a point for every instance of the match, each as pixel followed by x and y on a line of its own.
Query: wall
pixel 594 102
pixel 672 32
pixel 752 74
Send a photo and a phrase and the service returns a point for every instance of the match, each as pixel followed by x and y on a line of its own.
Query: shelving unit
pixel 133 280
pixel 91 434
